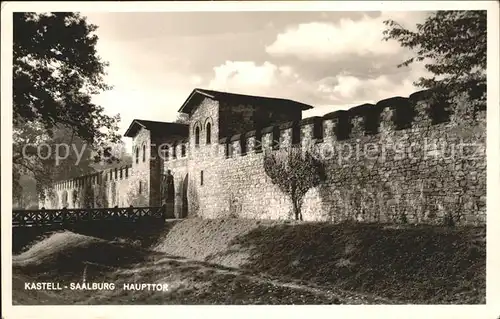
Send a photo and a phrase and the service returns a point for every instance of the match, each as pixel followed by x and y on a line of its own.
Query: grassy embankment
pixel 273 262
pixel 407 264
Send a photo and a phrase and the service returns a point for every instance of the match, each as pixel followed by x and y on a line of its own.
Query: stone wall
pixel 164 148
pixel 179 169
pixel 201 156
pixel 125 186
pixel 138 193
pixel 108 188
pixel 389 162
pixel 400 160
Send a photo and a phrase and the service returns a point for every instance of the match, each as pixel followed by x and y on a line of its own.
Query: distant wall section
pixel 108 188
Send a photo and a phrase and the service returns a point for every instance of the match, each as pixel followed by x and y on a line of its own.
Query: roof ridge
pixel 155 126
pixel 139 120
pixel 220 94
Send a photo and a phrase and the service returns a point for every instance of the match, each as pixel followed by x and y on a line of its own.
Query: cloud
pixel 327 41
pixel 196 79
pixel 266 79
pixel 346 62
pixel 347 88
pixel 244 75
pixel 327 94
pixel 329 60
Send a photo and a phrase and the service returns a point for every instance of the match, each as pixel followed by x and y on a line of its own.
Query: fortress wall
pixel 388 162
pixel 111 187
pixel 165 148
pixel 139 184
pixel 113 184
pixel 207 111
pixel 116 187
pixel 176 160
pixel 179 169
pixel 108 188
pixel 200 157
pixel 399 160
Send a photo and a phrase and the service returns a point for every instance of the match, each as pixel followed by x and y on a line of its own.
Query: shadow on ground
pixel 407 264
pixel 66 258
pixel 253 262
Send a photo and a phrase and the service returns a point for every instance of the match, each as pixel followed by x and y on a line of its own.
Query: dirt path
pixel 189 282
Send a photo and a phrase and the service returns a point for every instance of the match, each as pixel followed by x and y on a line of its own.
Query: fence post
pixel 116 213
pixel 130 211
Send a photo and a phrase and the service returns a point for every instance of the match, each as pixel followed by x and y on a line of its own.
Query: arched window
pixel 144 152
pixel 209 132
pixel 137 155
pixel 197 136
pixel 140 187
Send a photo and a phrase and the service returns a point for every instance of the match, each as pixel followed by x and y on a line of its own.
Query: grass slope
pixel 66 257
pixel 411 264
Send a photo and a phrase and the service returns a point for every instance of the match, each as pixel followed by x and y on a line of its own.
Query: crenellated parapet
pixel 418 111
pixel 252 140
pixel 399 156
pixel 98 178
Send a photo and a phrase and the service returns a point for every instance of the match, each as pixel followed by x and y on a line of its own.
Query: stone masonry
pixel 401 160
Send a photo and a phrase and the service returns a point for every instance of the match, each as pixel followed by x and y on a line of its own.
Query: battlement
pixel 386 116
pixel 98 178
pixel 385 155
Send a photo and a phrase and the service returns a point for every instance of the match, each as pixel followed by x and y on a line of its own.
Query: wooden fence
pixel 44 217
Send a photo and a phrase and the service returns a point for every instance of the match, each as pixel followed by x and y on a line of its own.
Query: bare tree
pixel 294 172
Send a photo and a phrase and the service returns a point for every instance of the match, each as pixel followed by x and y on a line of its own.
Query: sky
pixel 330 60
